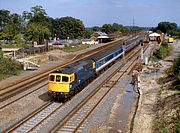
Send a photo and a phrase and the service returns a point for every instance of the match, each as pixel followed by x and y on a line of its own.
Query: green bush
pixel 176 67
pixel 174 72
pixel 8 68
pixel 162 52
pixel 159 126
pixel 164 44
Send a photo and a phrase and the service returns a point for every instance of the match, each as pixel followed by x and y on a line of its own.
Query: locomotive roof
pixel 72 68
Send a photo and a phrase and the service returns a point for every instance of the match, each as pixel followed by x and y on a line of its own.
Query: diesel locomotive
pixel 72 78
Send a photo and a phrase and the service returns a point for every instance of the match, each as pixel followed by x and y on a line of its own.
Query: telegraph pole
pixel 142 54
pixel 134 26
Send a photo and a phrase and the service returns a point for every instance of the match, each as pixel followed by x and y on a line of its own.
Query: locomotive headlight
pixel 70 86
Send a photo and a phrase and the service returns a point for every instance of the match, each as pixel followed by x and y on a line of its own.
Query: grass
pixel 167 118
pixel 160 127
pixel 75 47
pixel 21 45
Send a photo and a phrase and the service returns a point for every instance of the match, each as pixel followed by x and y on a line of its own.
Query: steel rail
pixel 33 77
pixel 22 86
pixel 83 102
pixel 26 118
pixel 26 94
pixel 15 127
pixel 18 91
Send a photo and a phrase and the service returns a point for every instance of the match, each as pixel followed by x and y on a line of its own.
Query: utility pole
pixel 142 54
pixel 134 26
pixel 133 22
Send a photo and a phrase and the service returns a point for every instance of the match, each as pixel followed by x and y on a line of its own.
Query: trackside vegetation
pixel 174 73
pixel 167 108
pixel 162 52
pixel 8 67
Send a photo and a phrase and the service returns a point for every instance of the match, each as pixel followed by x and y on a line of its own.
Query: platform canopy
pixel 154 35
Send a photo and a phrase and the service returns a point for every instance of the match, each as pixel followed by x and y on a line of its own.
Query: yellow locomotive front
pixel 59 84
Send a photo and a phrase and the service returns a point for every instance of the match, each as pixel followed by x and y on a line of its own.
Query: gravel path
pixel 145 115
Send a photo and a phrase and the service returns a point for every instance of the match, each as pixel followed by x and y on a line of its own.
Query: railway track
pixel 6 95
pixel 28 123
pixel 75 120
pixel 42 115
pixel 26 89
pixel 19 86
pixel 14 99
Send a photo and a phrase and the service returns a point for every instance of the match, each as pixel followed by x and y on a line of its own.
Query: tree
pixel 37 25
pixel 166 27
pixel 96 28
pixel 17 22
pixel 4 18
pixel 13 27
pixel 8 31
pixel 37 32
pixel 117 27
pixel 111 28
pixel 26 16
pixel 38 15
pixel 68 27
pixel 88 33
pixel 176 32
pixel 108 28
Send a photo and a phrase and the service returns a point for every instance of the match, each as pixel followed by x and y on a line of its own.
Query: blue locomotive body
pixel 82 74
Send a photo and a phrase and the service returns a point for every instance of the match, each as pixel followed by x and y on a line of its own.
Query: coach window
pixel 51 78
pixel 65 79
pixel 58 78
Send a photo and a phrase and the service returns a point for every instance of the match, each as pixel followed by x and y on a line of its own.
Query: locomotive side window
pixel 58 78
pixel 65 79
pixel 51 78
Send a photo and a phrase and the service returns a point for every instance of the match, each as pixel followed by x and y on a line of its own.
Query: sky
pixel 146 13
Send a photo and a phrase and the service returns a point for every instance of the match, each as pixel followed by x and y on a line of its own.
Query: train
pixel 170 40
pixel 67 81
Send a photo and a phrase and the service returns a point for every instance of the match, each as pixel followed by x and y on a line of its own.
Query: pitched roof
pixel 154 35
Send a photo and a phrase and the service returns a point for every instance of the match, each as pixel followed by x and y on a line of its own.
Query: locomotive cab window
pixel 58 78
pixel 51 78
pixel 65 79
